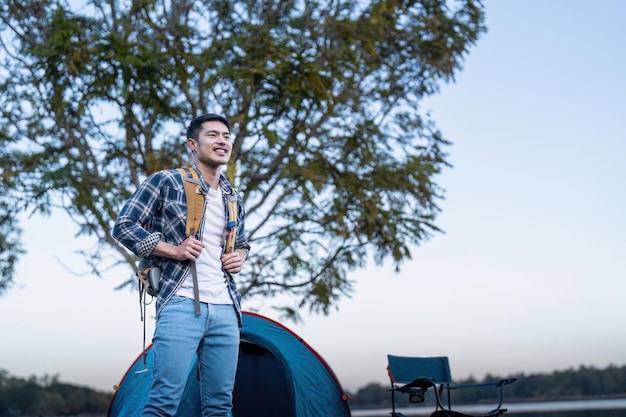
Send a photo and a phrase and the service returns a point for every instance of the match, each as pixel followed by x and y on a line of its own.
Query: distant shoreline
pixel 531 400
pixel 517 407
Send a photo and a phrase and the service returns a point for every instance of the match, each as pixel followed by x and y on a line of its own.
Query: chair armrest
pixel 494 384
pixel 506 381
pixel 422 383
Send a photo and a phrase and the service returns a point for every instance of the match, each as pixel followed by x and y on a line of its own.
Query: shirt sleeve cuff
pixel 146 246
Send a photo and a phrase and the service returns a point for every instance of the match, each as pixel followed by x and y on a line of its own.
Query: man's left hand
pixel 233 262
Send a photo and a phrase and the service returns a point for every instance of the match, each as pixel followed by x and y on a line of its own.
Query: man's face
pixel 214 147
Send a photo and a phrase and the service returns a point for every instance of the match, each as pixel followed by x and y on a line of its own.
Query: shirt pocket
pixel 174 214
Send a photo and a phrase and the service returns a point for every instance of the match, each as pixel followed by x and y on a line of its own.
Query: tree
pixel 48 396
pixel 335 161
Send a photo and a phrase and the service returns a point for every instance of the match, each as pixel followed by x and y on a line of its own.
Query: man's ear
pixel 193 145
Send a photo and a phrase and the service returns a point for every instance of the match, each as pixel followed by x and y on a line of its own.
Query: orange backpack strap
pixel 195 210
pixel 195 200
pixel 231 226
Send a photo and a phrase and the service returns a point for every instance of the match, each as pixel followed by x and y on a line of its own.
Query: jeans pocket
pixel 178 299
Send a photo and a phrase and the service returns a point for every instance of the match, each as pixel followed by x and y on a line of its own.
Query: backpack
pixel 195 208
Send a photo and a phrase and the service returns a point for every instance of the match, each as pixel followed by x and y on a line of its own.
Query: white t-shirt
pixel 212 283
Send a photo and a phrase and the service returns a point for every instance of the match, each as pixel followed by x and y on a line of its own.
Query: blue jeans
pixel 179 335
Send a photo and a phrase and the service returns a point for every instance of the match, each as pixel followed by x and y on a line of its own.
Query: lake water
pixel 587 408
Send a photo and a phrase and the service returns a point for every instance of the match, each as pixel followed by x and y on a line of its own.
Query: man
pixel 152 225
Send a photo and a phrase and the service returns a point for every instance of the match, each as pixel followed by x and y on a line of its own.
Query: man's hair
pixel 196 124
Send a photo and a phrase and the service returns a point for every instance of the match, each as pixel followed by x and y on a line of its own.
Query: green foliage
pixel 332 155
pixel 10 247
pixel 47 396
pixel 571 383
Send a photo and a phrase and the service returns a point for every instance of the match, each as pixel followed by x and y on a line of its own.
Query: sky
pixel 529 276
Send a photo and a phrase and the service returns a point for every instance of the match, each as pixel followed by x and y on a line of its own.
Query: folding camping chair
pixel 415 375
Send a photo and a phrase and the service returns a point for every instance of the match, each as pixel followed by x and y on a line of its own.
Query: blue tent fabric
pixel 279 375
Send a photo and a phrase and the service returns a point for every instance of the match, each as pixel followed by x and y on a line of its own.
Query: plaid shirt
pixel 157 211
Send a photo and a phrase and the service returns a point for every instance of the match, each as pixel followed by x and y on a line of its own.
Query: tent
pixel 279 375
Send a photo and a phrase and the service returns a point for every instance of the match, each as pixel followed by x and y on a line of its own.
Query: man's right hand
pixel 189 249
